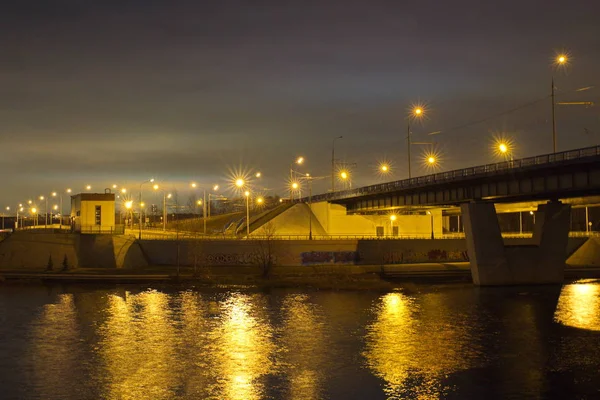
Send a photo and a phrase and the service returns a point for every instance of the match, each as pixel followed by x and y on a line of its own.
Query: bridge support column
pixel 493 263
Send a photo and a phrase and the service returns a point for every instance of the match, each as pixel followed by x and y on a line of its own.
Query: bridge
pixel 415 206
pixel 573 173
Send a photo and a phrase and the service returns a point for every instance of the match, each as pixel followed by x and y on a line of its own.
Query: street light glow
pixel 393 217
pixel 193 184
pixel 246 193
pixel 258 175
pixel 155 187
pixel 69 190
pixel 300 160
pixel 260 200
pixel 502 147
pixel 128 204
pixel 295 185
pixel 239 182
pixel 216 187
pixel 123 190
pixel 88 187
pixel 344 175
pixel 561 59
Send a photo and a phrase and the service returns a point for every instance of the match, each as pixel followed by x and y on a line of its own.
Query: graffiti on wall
pixel 251 258
pixel 329 257
pixel 434 255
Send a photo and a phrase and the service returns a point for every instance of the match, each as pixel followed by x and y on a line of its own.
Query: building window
pixel 98 215
pixel 379 230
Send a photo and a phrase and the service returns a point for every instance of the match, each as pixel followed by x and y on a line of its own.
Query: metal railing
pixel 101 229
pixel 471 172
pixel 446 236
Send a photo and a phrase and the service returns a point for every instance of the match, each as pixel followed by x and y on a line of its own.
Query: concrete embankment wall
pixel 315 252
pixel 33 250
pixel 304 252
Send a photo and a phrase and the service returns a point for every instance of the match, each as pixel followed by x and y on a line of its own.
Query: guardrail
pixel 198 236
pixel 471 172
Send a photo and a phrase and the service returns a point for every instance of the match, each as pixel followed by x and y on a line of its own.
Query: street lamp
pixel 46 211
pixel 204 203
pixel 392 219
pixel 34 212
pixel 141 211
pixel 88 187
pixel 19 209
pixel 345 177
pixel 333 163
pixel 431 214
pixel 128 207
pixel 416 113
pixel 560 61
pixel 299 161
pixel 247 194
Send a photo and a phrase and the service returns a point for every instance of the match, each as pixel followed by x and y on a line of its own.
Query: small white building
pixel 93 212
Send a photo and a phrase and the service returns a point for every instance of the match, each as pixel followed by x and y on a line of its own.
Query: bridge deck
pixel 558 175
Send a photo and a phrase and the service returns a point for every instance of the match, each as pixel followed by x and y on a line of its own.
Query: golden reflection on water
pixel 55 352
pixel 579 305
pixel 241 348
pixel 137 347
pixel 304 340
pixel 413 347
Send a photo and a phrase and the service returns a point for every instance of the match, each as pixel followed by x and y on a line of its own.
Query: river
pixel 451 341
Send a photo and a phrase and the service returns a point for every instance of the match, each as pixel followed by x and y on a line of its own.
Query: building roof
pixel 96 196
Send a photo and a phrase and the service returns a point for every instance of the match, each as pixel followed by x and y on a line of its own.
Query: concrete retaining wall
pixel 32 250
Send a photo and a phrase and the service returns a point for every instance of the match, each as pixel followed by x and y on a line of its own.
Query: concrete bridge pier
pixel 541 261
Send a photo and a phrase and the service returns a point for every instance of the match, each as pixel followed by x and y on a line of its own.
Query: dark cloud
pixel 121 90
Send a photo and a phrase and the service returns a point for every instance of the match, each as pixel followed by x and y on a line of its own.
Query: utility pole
pixel 553 119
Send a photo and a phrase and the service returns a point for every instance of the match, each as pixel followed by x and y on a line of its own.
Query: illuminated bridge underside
pixel 565 175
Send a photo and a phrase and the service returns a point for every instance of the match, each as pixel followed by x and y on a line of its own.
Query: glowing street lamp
pixel 141 216
pixel 384 168
pixel 392 219
pixel 88 187
pixel 46 211
pixel 128 207
pixel 560 61
pixel 298 161
pixel 258 175
pixel 247 194
pixel 431 214
pixel 416 113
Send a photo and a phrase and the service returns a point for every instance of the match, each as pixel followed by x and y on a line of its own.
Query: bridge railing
pixel 481 170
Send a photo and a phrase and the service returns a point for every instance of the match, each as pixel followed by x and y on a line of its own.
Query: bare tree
pixel 265 254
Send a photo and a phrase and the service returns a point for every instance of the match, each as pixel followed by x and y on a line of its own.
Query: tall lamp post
pixel 19 209
pixel 392 219
pixel 415 113
pixel 247 194
pixel 299 161
pixel 140 221
pixel 333 163
pixel 46 211
pixel 204 204
pixel 561 60
pixel 431 214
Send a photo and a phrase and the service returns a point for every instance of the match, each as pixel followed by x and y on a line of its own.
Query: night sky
pixel 103 92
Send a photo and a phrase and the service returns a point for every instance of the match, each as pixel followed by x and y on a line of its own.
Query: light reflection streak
pixel 55 354
pixel 138 347
pixel 304 339
pixel 413 347
pixel 579 305
pixel 241 348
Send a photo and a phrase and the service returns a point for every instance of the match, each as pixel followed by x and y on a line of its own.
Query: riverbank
pixel 343 277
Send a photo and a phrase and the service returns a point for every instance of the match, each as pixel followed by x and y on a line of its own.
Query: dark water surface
pixel 419 342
